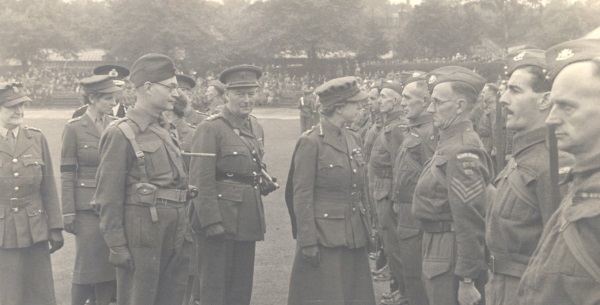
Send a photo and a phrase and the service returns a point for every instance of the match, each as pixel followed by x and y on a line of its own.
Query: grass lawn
pixel 274 256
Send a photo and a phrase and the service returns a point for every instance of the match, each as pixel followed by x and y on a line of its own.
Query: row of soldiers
pixel 452 226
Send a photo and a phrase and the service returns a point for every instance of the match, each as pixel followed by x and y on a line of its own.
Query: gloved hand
pixel 56 240
pixel 70 224
pixel 311 254
pixel 468 294
pixel 214 230
pixel 120 257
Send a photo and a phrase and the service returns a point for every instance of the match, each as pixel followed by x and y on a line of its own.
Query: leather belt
pixel 382 172
pixel 338 197
pixel 505 267
pixel 175 195
pixel 243 179
pixel 15 204
pixel 438 226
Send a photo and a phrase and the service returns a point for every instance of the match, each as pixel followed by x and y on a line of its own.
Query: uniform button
pixel 219 195
pixel 330 165
pixel 353 209
pixel 15 160
pixel 354 170
pixel 16 188
pixel 253 159
pixel 325 215
pixel 16 174
pixel 235 153
pixel 351 158
pixel 256 187
pixel 82 184
pixel 354 185
pixel 85 146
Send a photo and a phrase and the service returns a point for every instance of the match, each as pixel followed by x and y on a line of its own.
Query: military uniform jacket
pixel 523 201
pixel 79 161
pixel 452 188
pixel 185 132
pixel 119 169
pixel 328 188
pixel 370 136
pixel 387 143
pixel 556 274
pixel 29 205
pixel 217 147
pixel 305 104
pixel 417 148
pixel 485 128
pixel 195 117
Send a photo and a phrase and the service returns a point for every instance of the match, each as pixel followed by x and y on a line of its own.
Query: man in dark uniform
pixel 523 202
pixel 142 187
pixel 450 198
pixel 186 85
pixel 383 155
pixel 30 216
pixel 214 96
pixel 417 148
pixel 306 106
pixel 118 73
pixel 565 267
pixel 227 151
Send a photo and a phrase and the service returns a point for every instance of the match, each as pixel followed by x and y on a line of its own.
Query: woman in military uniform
pixel 93 276
pixel 29 207
pixel 331 264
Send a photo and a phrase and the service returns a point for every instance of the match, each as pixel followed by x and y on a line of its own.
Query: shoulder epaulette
pixel 32 128
pixel 309 131
pixel 191 126
pixel 118 121
pixel 200 112
pixel 74 120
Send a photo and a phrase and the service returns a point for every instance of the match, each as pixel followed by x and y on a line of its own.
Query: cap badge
pixel 416 74
pixel 519 57
pixel 113 73
pixel 243 75
pixel 432 79
pixel 565 54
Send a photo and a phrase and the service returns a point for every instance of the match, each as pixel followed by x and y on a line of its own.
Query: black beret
pixel 99 84
pixel 524 58
pixel 151 68
pixel 186 82
pixel 241 76
pixel 566 53
pixel 12 94
pixel 338 90
pixel 455 74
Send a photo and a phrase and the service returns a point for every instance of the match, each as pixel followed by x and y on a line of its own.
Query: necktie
pixel 99 125
pixel 10 139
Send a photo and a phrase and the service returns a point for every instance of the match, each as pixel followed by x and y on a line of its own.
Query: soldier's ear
pixel 426 101
pixel 146 88
pixel 461 106
pixel 544 103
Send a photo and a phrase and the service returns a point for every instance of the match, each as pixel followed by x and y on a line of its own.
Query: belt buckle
pixel 492 264
pixel 14 205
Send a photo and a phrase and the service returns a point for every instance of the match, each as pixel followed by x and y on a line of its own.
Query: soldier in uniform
pixel 383 155
pixel 186 85
pixel 306 105
pixel 450 198
pixel 142 190
pixel 331 265
pixel 485 125
pixel 30 216
pixel 118 74
pixel 417 148
pixel 228 215
pixel 565 267
pixel 93 276
pixel 523 202
pixel 214 96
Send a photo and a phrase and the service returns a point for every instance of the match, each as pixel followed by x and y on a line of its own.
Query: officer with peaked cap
pixel 93 276
pixel 382 158
pixel 186 85
pixel 417 148
pixel 118 74
pixel 451 194
pixel 30 217
pixel 142 191
pixel 565 267
pixel 523 202
pixel 326 195
pixel 228 215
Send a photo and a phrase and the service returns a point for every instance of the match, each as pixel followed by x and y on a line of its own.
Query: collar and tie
pixel 11 140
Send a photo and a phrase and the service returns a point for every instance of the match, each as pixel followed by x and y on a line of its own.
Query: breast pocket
pixel 33 169
pixel 521 203
pixel 156 157
pixel 331 226
pixel 330 173
pixel 88 153
pixel 236 158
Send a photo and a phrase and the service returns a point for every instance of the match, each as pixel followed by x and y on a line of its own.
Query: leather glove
pixel 468 294
pixel 120 257
pixel 311 254
pixel 70 224
pixel 214 230
pixel 56 240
